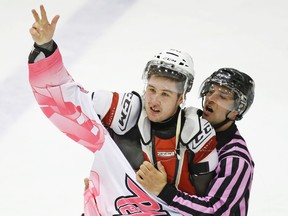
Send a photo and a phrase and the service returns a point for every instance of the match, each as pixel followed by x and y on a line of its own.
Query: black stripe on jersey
pixel 190 210
pixel 193 212
pixel 225 152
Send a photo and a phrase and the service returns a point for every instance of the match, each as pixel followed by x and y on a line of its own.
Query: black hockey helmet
pixel 240 83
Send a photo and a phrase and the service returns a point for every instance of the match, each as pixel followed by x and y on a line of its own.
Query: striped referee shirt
pixel 228 192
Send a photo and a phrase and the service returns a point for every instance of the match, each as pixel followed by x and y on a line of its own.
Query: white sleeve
pixel 101 102
pixel 119 111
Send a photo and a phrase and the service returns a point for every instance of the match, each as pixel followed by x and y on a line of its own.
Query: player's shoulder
pixel 195 114
pixel 127 112
pixel 195 126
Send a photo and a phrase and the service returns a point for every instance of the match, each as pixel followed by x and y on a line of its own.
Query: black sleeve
pixel 168 193
pixel 44 49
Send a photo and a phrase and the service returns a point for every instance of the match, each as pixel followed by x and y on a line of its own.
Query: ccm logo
pixel 126 111
pixel 200 138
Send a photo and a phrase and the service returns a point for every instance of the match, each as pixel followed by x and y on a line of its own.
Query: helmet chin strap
pixel 216 126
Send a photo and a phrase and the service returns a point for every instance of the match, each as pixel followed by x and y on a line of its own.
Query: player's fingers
pixel 143 168
pixel 36 25
pixel 161 168
pixel 43 13
pixel 55 20
pixel 139 178
pixel 35 15
pixel 86 183
pixel 34 32
pixel 148 165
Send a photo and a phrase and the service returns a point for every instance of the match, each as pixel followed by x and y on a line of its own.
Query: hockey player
pixel 227 95
pixel 153 127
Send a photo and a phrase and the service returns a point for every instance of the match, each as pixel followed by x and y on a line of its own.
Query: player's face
pixel 161 99
pixel 219 102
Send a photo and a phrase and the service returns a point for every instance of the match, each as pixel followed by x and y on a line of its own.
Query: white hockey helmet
pixel 172 63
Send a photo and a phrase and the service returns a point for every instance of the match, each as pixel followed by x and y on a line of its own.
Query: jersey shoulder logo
pixel 201 138
pixel 126 107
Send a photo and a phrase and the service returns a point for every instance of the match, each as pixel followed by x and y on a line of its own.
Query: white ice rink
pixel 106 44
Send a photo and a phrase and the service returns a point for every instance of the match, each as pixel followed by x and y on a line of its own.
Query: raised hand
pixel 42 31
